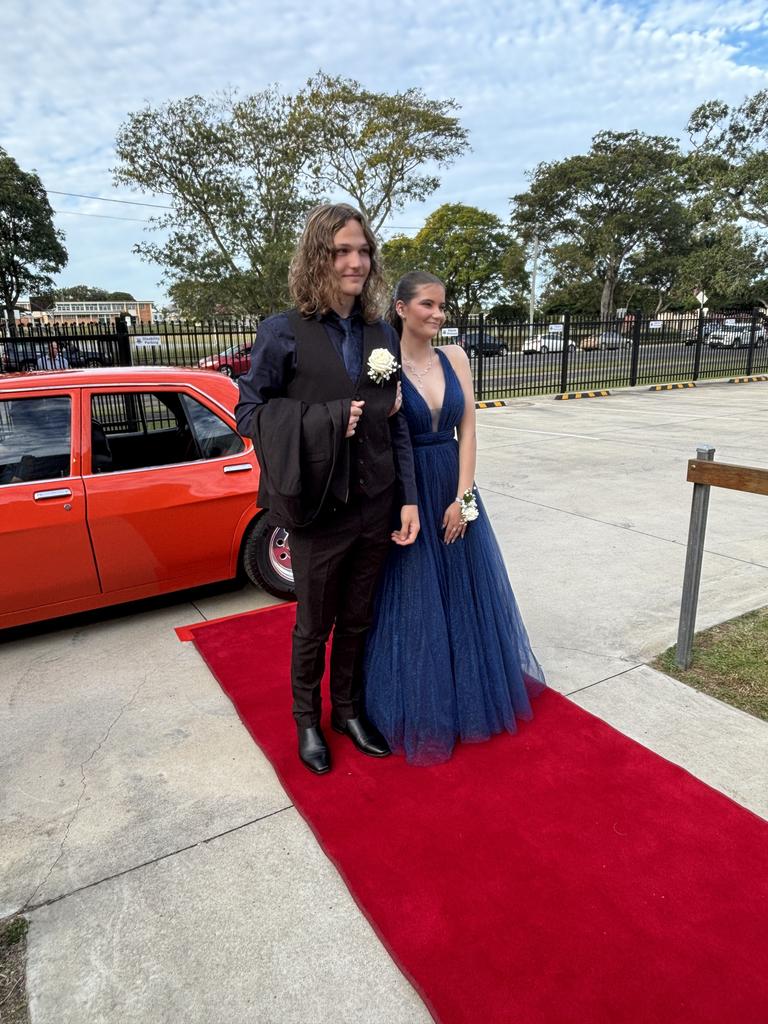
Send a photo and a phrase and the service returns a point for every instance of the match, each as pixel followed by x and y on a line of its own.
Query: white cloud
pixel 535 82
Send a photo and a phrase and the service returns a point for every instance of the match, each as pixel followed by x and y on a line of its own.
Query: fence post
pixel 564 354
pixel 123 339
pixel 480 356
pixel 693 559
pixel 752 339
pixel 634 362
pixel 699 344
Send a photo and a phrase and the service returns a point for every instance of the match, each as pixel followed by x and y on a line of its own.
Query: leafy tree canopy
pixel 240 174
pixel 31 248
pixel 602 207
pixel 470 250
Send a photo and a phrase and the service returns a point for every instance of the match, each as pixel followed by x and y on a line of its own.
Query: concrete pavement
pixel 151 837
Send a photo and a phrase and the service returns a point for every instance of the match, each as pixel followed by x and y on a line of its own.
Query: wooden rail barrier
pixel 703 473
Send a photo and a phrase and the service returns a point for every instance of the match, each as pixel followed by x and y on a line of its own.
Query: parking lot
pixel 149 839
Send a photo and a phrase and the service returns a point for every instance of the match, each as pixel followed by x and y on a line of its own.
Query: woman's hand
pixel 398 401
pixel 453 527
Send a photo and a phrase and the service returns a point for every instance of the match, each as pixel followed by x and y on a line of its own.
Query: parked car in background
pixel 232 362
pixel 17 355
pixel 125 483
pixel 491 346
pixel 606 339
pixel 735 336
pixel 547 341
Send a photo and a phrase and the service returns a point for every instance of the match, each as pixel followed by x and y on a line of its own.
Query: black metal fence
pixel 508 359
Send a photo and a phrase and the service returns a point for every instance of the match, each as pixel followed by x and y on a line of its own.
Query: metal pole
pixel 532 298
pixel 693 558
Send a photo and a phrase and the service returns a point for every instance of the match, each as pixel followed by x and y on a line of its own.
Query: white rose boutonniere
pixel 381 365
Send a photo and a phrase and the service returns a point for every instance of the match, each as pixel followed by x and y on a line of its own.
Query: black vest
pixel 322 377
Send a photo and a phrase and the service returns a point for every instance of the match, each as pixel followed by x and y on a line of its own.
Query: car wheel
pixel 571 347
pixel 27 364
pixel 503 349
pixel 267 558
pixel 544 349
pixel 94 361
pixel 226 369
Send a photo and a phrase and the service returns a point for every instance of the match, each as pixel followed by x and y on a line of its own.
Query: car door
pixel 45 551
pixel 170 485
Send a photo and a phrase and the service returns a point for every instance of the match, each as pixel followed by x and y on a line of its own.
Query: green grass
pixel 730 662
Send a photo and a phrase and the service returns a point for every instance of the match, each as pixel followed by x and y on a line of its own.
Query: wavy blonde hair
pixel 311 279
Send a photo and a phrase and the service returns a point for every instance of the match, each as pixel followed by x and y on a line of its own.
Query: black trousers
pixel 336 565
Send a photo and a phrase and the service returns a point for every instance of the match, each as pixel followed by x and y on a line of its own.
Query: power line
pixel 102 216
pixel 103 199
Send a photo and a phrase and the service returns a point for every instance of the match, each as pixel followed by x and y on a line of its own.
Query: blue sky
pixel 535 81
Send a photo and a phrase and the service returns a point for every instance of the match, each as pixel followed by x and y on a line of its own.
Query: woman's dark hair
pixel 405 290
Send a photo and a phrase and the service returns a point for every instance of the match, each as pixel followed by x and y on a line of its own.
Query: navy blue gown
pixel 448 657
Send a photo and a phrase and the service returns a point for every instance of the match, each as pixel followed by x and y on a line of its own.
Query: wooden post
pixel 696 531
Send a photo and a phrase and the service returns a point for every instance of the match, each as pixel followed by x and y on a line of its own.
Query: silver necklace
pixel 419 375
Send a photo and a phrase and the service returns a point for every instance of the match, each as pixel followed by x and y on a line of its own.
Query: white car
pixel 734 336
pixel 549 341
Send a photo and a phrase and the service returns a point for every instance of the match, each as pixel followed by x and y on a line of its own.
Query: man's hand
pixel 355 412
pixel 409 526
pixel 398 401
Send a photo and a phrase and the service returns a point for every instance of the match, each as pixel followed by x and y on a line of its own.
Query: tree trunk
pixel 609 287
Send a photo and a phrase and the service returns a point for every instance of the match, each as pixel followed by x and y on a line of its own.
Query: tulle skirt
pixel 448 657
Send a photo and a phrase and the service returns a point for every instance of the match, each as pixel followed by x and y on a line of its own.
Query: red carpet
pixel 566 874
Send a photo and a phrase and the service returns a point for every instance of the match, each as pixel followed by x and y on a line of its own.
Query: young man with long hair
pixel 332 359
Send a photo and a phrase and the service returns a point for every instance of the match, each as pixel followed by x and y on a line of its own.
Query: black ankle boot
pixel 313 750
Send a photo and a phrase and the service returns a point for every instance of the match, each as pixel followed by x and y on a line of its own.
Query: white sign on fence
pixel 655 325
pixel 147 341
pixel 450 332
pixel 730 322
pixel 555 328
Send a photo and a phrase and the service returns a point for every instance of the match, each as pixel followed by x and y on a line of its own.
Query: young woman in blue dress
pixel 448 658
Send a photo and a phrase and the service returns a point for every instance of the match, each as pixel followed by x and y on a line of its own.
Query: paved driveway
pixel 151 837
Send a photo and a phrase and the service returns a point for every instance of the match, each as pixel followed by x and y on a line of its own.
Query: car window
pixel 35 438
pixel 214 437
pixel 142 430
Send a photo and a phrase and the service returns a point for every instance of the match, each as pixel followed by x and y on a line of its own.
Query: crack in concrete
pixel 29 908
pixel 83 788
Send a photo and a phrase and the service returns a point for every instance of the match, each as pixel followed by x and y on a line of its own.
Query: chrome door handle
pixel 59 492
pixel 240 468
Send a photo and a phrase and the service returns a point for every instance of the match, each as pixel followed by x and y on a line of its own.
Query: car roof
pixel 209 381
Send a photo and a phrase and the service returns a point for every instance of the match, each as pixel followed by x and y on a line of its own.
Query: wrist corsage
pixel 468 510
pixel 381 365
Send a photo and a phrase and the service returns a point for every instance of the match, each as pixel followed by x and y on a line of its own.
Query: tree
pixel 240 175
pixel 606 205
pixel 470 250
pixel 374 146
pixel 233 172
pixel 729 264
pixel 730 158
pixel 31 248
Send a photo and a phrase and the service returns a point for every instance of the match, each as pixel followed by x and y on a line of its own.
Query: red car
pixel 232 362
pixel 124 483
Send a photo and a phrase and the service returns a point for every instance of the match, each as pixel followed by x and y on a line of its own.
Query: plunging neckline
pixel 443 359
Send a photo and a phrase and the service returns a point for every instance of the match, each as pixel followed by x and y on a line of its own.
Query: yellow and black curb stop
pixel 672 387
pixel 746 380
pixel 582 394
pixel 496 404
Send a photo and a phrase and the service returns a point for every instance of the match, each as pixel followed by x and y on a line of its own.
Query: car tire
pixel 503 349
pixel 571 347
pixel 544 349
pixel 93 362
pixel 226 369
pixel 266 558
